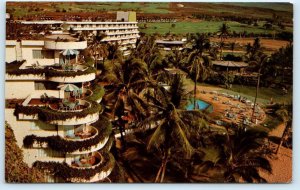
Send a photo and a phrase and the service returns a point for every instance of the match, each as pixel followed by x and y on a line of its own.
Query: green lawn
pixel 201 27
pixel 264 94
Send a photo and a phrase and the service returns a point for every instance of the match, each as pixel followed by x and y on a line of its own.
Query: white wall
pixel 10 54
pixel 24 128
pixel 18 89
pixel 28 56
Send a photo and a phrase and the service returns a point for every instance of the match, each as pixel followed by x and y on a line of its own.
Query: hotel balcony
pixel 70 173
pixel 65 45
pixel 59 112
pixel 73 74
pixel 82 133
pixel 85 142
pixel 120 38
pixel 87 161
pixel 103 28
pixel 120 32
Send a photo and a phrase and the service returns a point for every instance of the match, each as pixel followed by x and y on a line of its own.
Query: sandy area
pixel 282 167
pixel 222 105
pixel 282 163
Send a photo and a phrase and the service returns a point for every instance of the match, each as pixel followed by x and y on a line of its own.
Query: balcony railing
pixel 66 145
pixel 70 117
pixel 72 174
pixel 84 133
pixel 88 162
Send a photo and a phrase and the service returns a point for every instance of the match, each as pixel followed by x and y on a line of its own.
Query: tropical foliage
pixel 16 170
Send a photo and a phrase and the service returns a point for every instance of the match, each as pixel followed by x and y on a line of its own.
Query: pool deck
pixel 223 104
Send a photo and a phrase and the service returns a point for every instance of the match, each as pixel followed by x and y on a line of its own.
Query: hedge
pixel 46 114
pixel 98 92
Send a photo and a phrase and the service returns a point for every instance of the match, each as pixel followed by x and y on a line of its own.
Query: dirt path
pixel 282 167
pixel 278 131
pixel 282 163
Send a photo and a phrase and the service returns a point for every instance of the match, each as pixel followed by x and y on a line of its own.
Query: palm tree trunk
pixel 282 77
pixel 121 129
pixel 256 93
pixel 281 138
pixel 159 172
pixel 195 91
pixel 164 171
pixel 227 78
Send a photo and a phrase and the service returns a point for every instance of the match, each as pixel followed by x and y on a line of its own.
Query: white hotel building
pixel 55 111
pixel 124 32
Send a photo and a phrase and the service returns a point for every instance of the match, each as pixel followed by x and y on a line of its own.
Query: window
pixel 42 54
pixel 47 152
pixel 42 153
pixel 39 86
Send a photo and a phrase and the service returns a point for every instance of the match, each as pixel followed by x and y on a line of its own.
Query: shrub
pixel 98 92
pixel 47 114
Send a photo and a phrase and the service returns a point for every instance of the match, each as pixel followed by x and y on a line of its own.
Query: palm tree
pixel 200 43
pixel 221 46
pixel 242 153
pixel 232 46
pixel 254 51
pixel 285 113
pixel 223 34
pixel 127 79
pixel 173 123
pixel 198 68
pixel 97 48
pixel 260 63
pixel 114 53
pixel 176 58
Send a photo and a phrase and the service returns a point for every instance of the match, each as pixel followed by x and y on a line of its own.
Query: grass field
pixel 201 27
pixel 264 94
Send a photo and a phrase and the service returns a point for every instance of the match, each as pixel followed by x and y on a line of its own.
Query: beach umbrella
pixel 69 52
pixel 61 62
pixel 68 87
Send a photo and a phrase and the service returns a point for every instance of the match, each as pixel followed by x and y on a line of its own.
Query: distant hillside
pixel 255 10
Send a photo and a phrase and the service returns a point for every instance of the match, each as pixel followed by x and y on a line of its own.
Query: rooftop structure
pixel 230 65
pixel 53 108
pixel 171 44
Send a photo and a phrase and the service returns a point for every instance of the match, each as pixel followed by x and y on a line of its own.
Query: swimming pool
pixel 200 104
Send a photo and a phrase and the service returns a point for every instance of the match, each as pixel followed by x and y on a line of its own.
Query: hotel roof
pixel 230 64
pixel 173 42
